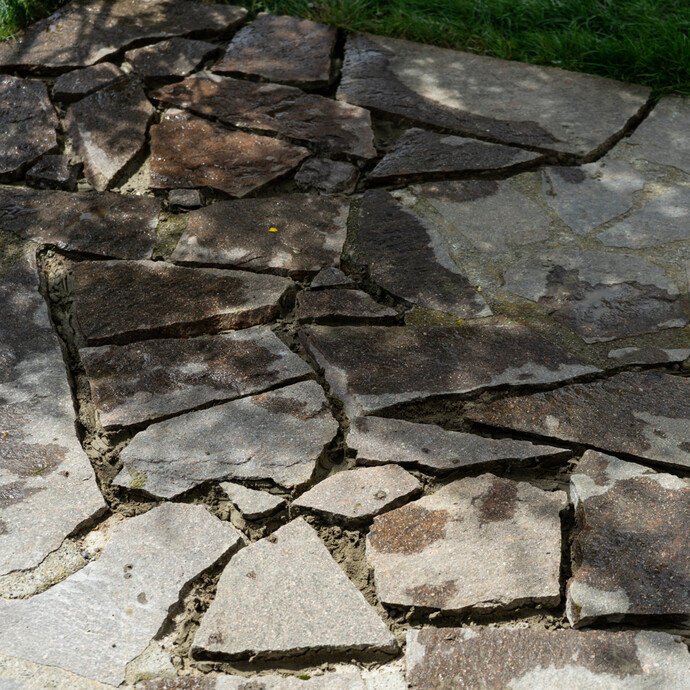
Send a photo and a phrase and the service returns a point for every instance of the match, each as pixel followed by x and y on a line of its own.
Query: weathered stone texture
pixel 327 176
pixel 74 85
pixel 20 674
pixel 171 59
pixel 338 305
pixel 648 355
pixel 251 503
pixel 53 172
pixel 331 278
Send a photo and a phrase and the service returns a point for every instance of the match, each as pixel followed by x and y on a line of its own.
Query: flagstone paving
pixel 275 298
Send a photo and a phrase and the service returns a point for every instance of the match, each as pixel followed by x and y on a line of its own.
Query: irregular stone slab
pixel 19 674
pixel 479 96
pixel 72 86
pixel 186 198
pixel 278 435
pixel 522 659
pixel 297 234
pixel 84 32
pixel 187 151
pixel 119 602
pixel 137 383
pixel 95 223
pixel 644 414
pixel 419 153
pixel 307 602
pixel 480 542
pixel 372 368
pixel 283 49
pixel 408 258
pixel 251 503
pixel 330 278
pixel 108 130
pixel 307 119
pixel 379 441
pixel 337 305
pixel 329 177
pixel 53 172
pixel 629 558
pixel 122 301
pixel 648 355
pixel 28 124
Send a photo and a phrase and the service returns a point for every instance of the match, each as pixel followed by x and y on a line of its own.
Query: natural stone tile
pixel 122 301
pixel 379 441
pixel 306 118
pixel 327 176
pixel 84 32
pixel 53 172
pixel 523 659
pixel 475 95
pixel 278 435
pixel 331 278
pixel 282 49
pixel 19 674
pixel 478 543
pixel 408 258
pixel 372 368
pixel 137 383
pixel 188 151
pixel 74 85
pixel 306 603
pixel 644 414
pixel 94 222
pixel 648 355
pixel 630 556
pixel 186 198
pixel 296 233
pixel 99 619
pixel 337 305
pixel 251 503
pixel 28 124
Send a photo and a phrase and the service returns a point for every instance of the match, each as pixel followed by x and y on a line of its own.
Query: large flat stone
pixel 122 301
pixel 74 85
pixel 644 414
pixel 334 306
pixel 53 172
pixel 188 151
pixel 98 620
pixel 253 504
pixel 137 383
pixel 408 258
pixel 478 543
pixel 372 368
pixel 20 674
pixel 107 224
pixel 285 596
pixel 296 233
pixel 630 557
pixel 524 659
pixel 479 96
pixel 278 435
pixel 171 59
pixel 307 119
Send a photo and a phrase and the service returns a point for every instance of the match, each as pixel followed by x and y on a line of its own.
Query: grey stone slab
pixel 101 223
pixel 331 278
pixel 251 503
pixel 408 258
pixel 171 59
pixel 630 555
pixel 74 85
pixel 648 355
pixel 379 441
pixel 279 435
pixel 372 368
pixel 327 176
pixel 19 674
pixel 285 596
pixel 295 233
pixel 121 301
pixel 642 414
pixel 185 198
pixel 478 543
pixel 53 172
pixel 524 659
pixel 342 305
pixel 98 620
pixel 140 382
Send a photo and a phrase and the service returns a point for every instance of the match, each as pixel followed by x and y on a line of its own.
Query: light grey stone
pixel 251 503
pixel 20 674
pixel 648 355
pixel 331 278
pixel 186 198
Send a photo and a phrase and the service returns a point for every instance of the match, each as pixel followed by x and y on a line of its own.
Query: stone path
pixel 336 362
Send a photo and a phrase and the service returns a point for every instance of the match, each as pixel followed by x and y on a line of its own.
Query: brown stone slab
pixel 333 306
pixel 122 301
pixel 74 85
pixel 53 172
pixel 327 176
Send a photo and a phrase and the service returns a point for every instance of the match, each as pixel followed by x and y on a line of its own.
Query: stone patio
pixel 336 362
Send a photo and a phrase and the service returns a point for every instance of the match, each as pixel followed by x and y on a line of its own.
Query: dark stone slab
pixel 297 234
pixel 644 414
pixel 74 85
pixel 53 172
pixel 187 151
pixel 122 301
pixel 334 306
pixel 327 176
pixel 331 278
pixel 28 124
pixel 630 557
pixel 95 222
pixel 373 368
pixel 307 119
pixel 282 49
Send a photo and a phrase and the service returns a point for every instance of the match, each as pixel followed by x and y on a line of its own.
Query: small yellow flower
pixel 273 229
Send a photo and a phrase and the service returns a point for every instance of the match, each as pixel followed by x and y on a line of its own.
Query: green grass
pixel 14 14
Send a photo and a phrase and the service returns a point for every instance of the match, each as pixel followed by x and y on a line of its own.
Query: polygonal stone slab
pixel 306 603
pixel 630 557
pixel 327 176
pixel 251 503
pixel 278 435
pixel 648 355
pixel 20 674
pixel 645 414
pixel 338 305
pixel 371 368
pixel 523 659
pixel 475 95
pixel 54 171
pixel 330 278
pixel 99 619
pixel 122 301
pixel 139 382
pixel 82 82
pixel 296 233
pixel 480 542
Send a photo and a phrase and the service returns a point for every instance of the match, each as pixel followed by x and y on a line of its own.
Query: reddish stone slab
pixel 329 307
pixel 74 85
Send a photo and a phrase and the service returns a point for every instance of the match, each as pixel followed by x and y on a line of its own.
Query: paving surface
pixel 337 362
